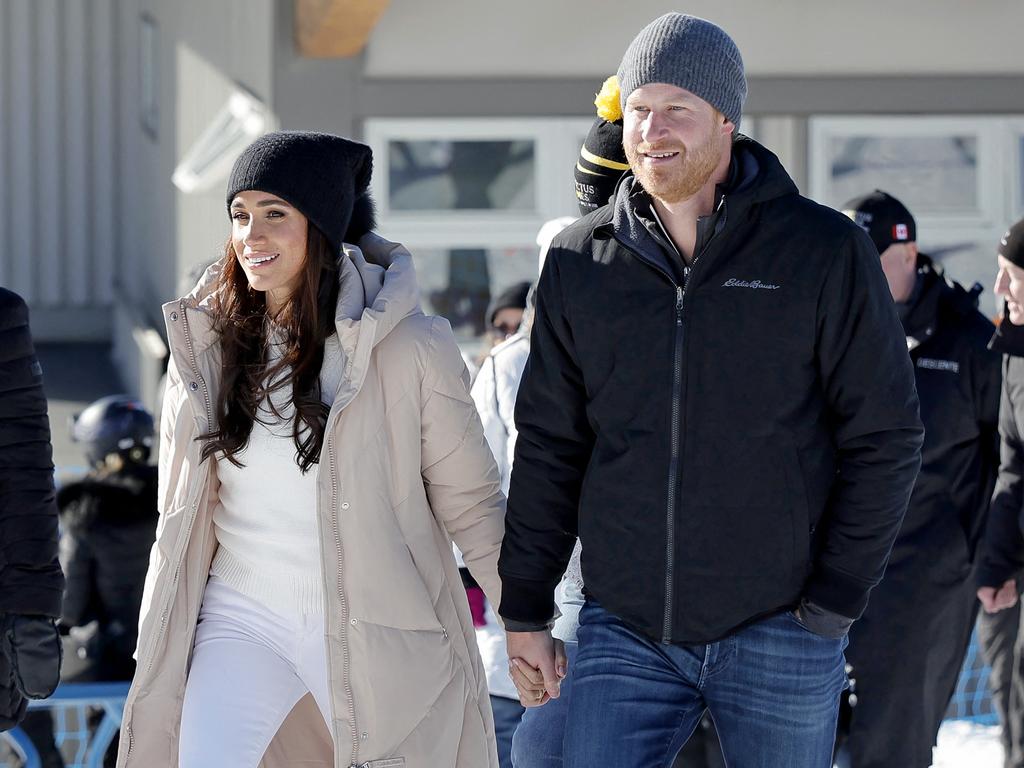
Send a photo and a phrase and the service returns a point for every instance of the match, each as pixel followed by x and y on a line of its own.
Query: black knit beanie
pixel 601 164
pixel 513 297
pixel 1011 245
pixel 324 176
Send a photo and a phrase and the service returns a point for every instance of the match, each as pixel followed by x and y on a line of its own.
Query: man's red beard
pixel 682 177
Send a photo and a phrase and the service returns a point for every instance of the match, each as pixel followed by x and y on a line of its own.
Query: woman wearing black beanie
pixel 319 452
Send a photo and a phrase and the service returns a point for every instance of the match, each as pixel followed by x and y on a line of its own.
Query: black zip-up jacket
pixel 725 440
pixel 958 383
pixel 1002 551
pixel 31 581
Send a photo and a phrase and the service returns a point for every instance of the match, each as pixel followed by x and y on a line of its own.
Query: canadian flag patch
pixel 900 232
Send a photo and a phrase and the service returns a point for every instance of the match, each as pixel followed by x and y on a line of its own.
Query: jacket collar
pixel 922 316
pixel 936 297
pixel 1008 338
pixel 755 175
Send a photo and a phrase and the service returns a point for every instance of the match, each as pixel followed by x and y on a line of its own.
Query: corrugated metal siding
pixel 58 164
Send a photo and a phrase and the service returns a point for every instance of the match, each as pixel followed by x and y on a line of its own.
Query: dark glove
pixel 30 660
pixel 12 703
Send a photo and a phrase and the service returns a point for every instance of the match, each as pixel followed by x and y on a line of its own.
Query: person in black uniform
pixel 908 648
pixel 109 521
pixel 31 582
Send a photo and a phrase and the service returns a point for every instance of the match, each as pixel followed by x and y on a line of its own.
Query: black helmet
pixel 116 424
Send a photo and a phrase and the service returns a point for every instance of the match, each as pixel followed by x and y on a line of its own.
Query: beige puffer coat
pixel 403 472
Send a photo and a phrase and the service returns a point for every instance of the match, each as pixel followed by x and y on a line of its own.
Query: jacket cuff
pixel 822 621
pixel 526 603
pixel 992 576
pixel 837 592
pixel 526 626
pixel 31 591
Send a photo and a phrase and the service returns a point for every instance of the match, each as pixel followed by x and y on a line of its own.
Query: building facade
pixel 120 118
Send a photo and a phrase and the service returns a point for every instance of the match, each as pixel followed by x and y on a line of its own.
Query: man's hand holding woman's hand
pixel 537 664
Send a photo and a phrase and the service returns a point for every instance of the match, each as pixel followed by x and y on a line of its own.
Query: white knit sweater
pixel 266 522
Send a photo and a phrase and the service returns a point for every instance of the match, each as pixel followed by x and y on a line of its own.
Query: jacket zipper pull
pixel 679 305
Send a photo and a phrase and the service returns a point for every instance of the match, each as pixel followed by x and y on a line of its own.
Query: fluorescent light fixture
pixel 232 129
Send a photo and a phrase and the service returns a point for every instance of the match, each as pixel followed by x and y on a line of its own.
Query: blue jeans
pixel 537 742
pixel 772 689
pixel 507 713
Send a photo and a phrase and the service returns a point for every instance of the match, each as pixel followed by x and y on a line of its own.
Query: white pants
pixel 249 668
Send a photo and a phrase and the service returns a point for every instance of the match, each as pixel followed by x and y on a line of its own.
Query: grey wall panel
pixel 542 39
pixel 77 133
pixel 105 174
pixel 58 161
pixel 21 179
pixel 5 255
pixel 52 239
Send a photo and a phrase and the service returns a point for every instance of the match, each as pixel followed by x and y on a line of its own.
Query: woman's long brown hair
pixel 241 322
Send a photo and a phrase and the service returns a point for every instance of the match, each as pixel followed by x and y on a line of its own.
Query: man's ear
pixel 911 253
pixel 726 126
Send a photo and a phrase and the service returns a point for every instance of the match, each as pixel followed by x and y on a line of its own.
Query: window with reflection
pixel 932 174
pixel 441 175
pixel 459 283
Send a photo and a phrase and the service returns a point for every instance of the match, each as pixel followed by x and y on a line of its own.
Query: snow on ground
pixel 963 744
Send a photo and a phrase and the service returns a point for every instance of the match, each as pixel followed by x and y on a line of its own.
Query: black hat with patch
pixel 884 218
pixel 1011 245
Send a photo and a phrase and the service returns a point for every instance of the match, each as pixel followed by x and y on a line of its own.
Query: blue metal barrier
pixel 22 747
pixel 972 700
pixel 70 704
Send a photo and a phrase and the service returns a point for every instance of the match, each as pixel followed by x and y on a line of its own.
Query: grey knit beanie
pixel 690 53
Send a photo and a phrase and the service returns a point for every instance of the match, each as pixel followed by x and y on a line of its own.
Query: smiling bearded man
pixel 723 443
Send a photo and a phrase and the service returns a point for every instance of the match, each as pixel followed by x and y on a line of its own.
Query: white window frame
pixel 992 178
pixel 1014 169
pixel 556 146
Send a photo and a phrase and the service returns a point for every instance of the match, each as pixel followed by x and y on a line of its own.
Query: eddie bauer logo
pixel 732 282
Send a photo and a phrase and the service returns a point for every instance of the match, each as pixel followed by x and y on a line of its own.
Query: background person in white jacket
pixel 494 392
pixel 602 161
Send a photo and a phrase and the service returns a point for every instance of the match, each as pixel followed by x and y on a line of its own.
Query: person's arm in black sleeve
pixel 31 582
pixel 1002 549
pixel 30 577
pixel 987 379
pixel 868 382
pixel 551 456
pixel 79 563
